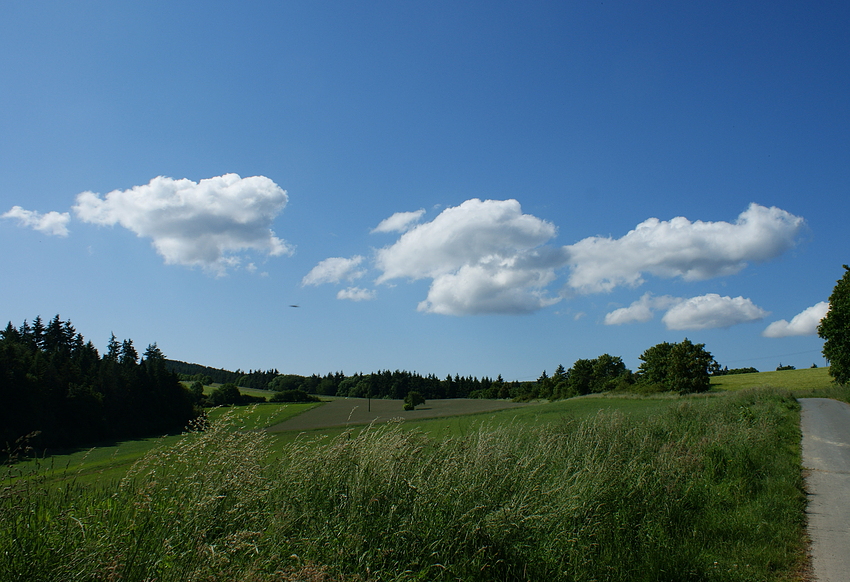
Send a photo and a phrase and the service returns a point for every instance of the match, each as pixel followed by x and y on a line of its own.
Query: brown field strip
pixel 356 411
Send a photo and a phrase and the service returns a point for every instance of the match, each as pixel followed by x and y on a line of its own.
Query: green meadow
pixel 803 379
pixel 613 487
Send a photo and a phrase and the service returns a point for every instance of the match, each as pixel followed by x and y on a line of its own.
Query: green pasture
pixel 109 461
pixel 803 379
pixel 535 414
pixel 704 488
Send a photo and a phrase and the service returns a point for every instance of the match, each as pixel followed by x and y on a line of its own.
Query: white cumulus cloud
pixel 681 248
pixel 486 256
pixel 334 270
pixel 711 311
pixel 204 223
pixel 53 223
pixel 641 310
pixel 488 288
pixel 399 222
pixel 804 323
pixel 356 294
pixel 482 257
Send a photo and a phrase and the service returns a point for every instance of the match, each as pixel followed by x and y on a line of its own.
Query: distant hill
pixel 218 375
pixel 257 379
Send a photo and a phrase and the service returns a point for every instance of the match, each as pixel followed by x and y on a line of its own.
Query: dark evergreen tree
pixel 58 386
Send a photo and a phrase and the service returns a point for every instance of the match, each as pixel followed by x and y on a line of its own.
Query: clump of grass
pixel 709 490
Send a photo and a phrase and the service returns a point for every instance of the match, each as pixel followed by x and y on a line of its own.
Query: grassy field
pixel 702 489
pixel 803 379
pixel 111 461
pixel 462 419
pixel 605 487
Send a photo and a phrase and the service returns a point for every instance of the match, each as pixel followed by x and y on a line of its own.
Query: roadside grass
pixel 835 391
pixel 696 489
pixel 803 379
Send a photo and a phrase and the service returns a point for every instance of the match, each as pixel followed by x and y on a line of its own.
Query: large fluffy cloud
pixel 482 256
pixel 804 323
pixel 488 257
pixel 681 248
pixel 53 223
pixel 204 223
pixel 710 311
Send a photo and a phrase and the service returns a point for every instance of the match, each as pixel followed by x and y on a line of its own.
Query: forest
pixel 58 391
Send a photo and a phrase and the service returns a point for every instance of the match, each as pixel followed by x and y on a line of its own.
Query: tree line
pixel 393 385
pixel 680 367
pixel 258 379
pixel 57 388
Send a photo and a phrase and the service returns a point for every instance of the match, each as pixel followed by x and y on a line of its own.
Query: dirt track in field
pixel 353 411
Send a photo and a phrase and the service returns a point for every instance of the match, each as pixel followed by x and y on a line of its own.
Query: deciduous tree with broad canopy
pixel 835 329
pixel 680 367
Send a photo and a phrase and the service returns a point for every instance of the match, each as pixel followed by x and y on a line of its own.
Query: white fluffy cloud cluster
pixel 53 223
pixel 488 257
pixel 190 223
pixel 703 312
pixel 641 310
pixel 804 323
pixel 711 311
pixel 681 248
pixel 482 257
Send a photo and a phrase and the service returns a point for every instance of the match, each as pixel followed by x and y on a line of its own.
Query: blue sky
pixel 442 187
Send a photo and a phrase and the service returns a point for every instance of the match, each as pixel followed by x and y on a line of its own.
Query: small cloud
pixel 712 311
pixel 804 323
pixel 190 223
pixel 579 315
pixel 356 294
pixel 399 222
pixel 334 270
pixel 53 223
pixel 641 310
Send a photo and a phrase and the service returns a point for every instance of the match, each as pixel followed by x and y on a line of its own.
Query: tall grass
pixel 709 490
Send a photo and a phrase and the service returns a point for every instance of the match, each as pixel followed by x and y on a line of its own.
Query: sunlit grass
pixel 803 379
pixel 694 489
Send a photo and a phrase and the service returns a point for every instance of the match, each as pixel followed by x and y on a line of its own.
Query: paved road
pixel 826 455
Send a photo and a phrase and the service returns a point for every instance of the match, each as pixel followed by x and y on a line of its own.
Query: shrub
pixel 293 396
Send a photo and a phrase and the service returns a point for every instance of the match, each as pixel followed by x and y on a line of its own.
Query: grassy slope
pixel 703 489
pixel 805 379
pixel 532 415
pixel 111 461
